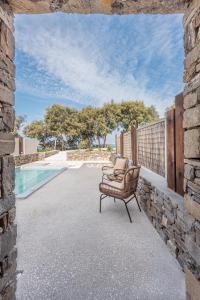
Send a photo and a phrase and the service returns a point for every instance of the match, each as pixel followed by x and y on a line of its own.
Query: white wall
pixel 30 146
pixel 16 152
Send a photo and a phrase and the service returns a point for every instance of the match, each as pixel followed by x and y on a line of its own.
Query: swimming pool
pixel 28 180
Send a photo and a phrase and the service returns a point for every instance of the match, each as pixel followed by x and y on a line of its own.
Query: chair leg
pixel 114 199
pixel 128 212
pixel 100 204
pixel 101 198
pixel 137 202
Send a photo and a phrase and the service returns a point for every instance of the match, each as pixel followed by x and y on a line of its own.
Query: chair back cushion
pixel 121 164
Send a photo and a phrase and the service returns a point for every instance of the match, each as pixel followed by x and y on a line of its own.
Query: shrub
pixel 85 144
pixel 110 148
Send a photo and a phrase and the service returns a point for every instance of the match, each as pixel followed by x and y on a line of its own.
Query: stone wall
pixel 29 158
pixel 8 232
pixel 165 209
pixel 100 6
pixel 189 236
pixel 179 229
pixel 49 153
pixel 192 146
pixel 87 155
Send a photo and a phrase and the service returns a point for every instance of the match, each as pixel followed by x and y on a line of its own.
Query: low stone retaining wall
pixel 88 155
pixel 49 153
pixel 165 209
pixel 29 158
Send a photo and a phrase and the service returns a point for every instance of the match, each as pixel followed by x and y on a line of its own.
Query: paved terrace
pixel 68 251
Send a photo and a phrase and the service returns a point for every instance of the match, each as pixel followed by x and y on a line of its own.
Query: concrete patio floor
pixel 68 251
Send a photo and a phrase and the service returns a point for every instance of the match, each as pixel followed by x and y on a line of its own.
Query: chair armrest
pixel 107 167
pixel 104 176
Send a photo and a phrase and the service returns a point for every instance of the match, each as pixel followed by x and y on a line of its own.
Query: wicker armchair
pixel 124 190
pixel 120 167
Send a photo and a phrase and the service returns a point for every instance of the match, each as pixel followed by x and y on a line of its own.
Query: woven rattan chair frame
pixel 126 193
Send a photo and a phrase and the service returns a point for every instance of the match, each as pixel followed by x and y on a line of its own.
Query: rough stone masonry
pixel 192 146
pixel 191 8
pixel 100 6
pixel 8 230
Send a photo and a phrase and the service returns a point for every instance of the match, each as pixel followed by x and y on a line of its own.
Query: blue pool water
pixel 29 180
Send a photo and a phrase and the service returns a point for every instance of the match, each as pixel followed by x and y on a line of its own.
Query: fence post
pixel 122 144
pixel 134 145
pixel 179 143
pixel 171 155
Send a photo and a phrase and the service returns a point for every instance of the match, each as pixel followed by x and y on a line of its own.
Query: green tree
pixel 134 113
pixel 73 127
pixel 100 127
pixel 55 118
pixel 105 121
pixel 39 130
pixel 19 123
pixel 111 113
pixel 69 127
pixel 153 114
pixel 63 123
pixel 87 125
pixel 169 108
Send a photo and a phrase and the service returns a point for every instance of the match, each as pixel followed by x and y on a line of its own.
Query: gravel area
pixel 68 251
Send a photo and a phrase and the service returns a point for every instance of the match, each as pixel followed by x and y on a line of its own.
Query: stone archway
pixel 191 9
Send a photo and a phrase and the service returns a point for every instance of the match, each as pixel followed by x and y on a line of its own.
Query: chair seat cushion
pixel 113 177
pixel 114 189
pixel 114 184
pixel 108 171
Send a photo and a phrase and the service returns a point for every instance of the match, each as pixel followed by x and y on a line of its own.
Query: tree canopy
pixel 39 130
pixel 19 123
pixel 132 114
pixel 66 127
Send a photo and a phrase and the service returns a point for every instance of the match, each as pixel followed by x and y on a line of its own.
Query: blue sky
pixel 90 59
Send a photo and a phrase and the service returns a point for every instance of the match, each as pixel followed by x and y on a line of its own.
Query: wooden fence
pixel 145 145
pixel 126 145
pixel 127 151
pixel 159 146
pixel 151 147
pixel 175 146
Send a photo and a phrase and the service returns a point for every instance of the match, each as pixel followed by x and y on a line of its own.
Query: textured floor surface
pixel 68 251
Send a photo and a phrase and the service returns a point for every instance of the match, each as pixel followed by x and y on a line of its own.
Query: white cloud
pixel 73 60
